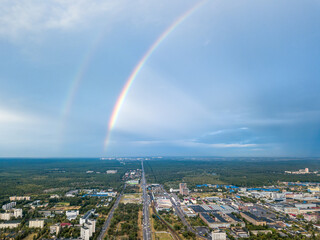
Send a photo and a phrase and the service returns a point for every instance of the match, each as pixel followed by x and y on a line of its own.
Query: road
pixel 180 213
pixel 146 202
pixel 108 221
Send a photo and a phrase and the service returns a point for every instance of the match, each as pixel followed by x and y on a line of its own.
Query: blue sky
pixel 236 78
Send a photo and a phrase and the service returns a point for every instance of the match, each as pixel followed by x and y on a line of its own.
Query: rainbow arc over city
pixel 139 66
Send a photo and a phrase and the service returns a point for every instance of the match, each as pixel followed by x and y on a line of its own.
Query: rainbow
pixel 140 65
pixel 76 82
pixel 80 73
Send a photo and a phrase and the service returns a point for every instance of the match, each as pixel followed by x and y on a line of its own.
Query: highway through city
pixel 146 202
pixel 179 212
pixel 108 221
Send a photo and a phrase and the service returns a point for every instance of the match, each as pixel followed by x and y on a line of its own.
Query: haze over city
pixel 207 78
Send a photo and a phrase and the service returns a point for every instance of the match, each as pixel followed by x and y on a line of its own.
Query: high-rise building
pixel 17 213
pixel 183 190
pixel 84 233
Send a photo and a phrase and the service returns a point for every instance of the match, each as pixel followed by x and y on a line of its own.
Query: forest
pixel 125 221
pixel 47 176
pixel 235 171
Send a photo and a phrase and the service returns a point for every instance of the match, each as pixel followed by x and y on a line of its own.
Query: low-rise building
pixel 72 214
pixel 188 211
pixel 9 224
pixel 163 204
pixel 256 232
pixel 36 223
pixel 240 232
pixel 233 220
pixel 218 235
pixel 253 219
pixel 217 222
pixel 5 216
pixel 55 229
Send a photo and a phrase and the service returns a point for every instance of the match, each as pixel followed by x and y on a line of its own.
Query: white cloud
pixel 29 16
pixel 232 145
pixel 11 117
pixel 192 143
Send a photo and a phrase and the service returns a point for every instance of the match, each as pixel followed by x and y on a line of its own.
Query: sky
pixel 218 78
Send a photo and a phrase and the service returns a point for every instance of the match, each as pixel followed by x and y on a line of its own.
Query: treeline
pixel 240 172
pixel 34 176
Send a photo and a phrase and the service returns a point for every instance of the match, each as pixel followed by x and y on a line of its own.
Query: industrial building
pixel 253 219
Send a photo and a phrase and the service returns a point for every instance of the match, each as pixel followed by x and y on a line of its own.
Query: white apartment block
pixel 84 233
pixel 5 216
pixel 19 198
pixel 12 224
pixel 36 223
pixel 17 213
pixel 9 206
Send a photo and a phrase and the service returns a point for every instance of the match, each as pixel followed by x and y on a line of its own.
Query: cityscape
pixel 136 207
pixel 159 120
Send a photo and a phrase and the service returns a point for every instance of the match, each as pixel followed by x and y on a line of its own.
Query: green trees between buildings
pixel 125 221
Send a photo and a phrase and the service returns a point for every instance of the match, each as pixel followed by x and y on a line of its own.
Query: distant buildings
pixel 314 189
pixel 72 214
pixel 72 193
pixel 111 171
pixel 183 190
pixel 101 194
pixel 36 223
pixel 19 198
pixel 9 206
pixel 174 190
pixel 16 213
pixel 132 182
pixel 54 196
pixel 300 171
